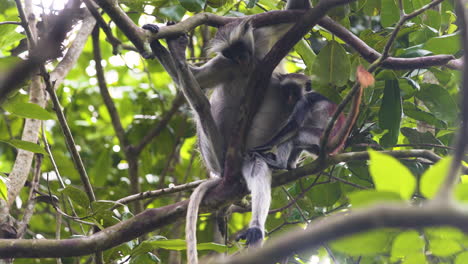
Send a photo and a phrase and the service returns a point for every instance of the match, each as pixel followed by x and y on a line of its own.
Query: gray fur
pixel 227 78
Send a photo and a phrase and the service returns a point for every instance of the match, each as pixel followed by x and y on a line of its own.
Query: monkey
pixel 239 48
pixel 238 56
pixel 304 130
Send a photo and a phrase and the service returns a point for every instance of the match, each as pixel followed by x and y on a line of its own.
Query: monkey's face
pixel 238 52
pixel 294 86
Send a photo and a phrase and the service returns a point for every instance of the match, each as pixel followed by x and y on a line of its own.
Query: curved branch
pixel 158 217
pixel 341 225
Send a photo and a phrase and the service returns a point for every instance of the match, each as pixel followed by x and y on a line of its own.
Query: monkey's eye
pixel 308 86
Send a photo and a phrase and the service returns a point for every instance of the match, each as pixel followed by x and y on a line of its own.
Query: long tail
pixel 192 215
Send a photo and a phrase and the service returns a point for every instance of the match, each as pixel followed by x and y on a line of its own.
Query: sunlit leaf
pixel 3 189
pixel 432 179
pixel 28 110
pixel 390 175
pixel 25 145
pixel 369 197
pixel 406 244
pixel 366 244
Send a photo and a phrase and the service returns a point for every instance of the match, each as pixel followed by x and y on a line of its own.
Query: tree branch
pixel 155 218
pixel 341 225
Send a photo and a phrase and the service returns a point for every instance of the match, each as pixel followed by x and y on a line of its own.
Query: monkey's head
pixel 294 86
pixel 235 41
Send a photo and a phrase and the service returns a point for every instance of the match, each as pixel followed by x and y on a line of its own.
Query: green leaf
pixel 102 205
pixel 369 197
pixel 193 5
pixel 307 54
pixel 390 113
pixel 411 110
pixel 174 13
pixel 444 247
pixel 148 257
pixel 461 192
pixel 406 244
pixel 332 65
pixel 29 146
pixel 445 232
pixel 8 35
pixel 448 44
pixel 76 195
pixel 389 14
pixel 101 169
pixel 417 258
pixel 439 102
pixel 432 179
pixel 416 137
pixel 325 194
pixel 28 110
pixel 366 244
pixel 3 189
pixel 7 62
pixel 390 175
pixel 462 258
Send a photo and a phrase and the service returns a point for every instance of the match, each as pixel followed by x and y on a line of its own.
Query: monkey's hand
pixel 153 28
pixel 253 237
pixel 155 43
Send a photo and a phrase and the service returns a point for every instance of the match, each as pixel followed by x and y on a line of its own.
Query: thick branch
pixel 106 97
pixel 341 225
pixel 156 218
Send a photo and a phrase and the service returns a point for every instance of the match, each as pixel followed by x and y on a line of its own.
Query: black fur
pixel 252 236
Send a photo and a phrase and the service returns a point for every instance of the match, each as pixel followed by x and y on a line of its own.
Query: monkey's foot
pixel 151 27
pixel 253 236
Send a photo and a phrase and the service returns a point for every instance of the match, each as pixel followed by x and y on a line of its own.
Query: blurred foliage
pixel 416 107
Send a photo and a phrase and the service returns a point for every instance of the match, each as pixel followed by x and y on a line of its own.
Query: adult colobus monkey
pixel 240 47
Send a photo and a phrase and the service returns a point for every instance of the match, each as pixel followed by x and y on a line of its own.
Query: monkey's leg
pixel 258 179
pixel 292 160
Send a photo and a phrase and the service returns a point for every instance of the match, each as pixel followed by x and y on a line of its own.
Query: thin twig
pixel 302 194
pixel 29 209
pixel 294 200
pixel 11 23
pixel 157 193
pixel 68 136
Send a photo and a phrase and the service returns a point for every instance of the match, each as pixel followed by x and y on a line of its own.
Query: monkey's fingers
pixel 252 236
pixel 153 28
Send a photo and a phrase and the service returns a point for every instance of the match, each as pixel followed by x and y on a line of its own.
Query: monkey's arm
pixel 215 72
